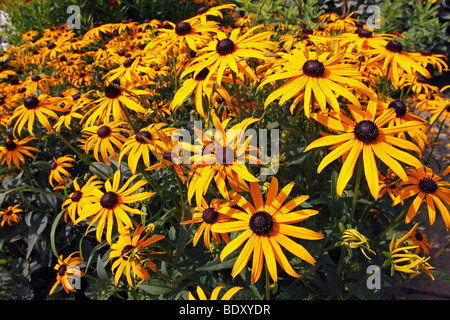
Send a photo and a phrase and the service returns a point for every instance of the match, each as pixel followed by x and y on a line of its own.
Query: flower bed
pixel 257 154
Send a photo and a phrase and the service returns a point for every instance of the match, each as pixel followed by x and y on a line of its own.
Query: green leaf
pixel 219 265
pixel 37 226
pixel 440 274
pixel 53 231
pixel 155 287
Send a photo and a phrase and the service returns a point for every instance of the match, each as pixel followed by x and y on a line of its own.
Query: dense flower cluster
pixel 117 96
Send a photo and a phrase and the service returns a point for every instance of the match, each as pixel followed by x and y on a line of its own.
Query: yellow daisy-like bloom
pixel 427 58
pixel 129 72
pixel 33 83
pixel 14 151
pixel 80 197
pixel 220 156
pixel 215 293
pixel 361 40
pixel 68 268
pixel 232 52
pixel 207 215
pixel 395 61
pixel 114 100
pixel 142 144
pixel 10 216
pixel 389 184
pixel 204 12
pixel 133 255
pixel 191 33
pixel 314 73
pixel 264 227
pixel 114 203
pixel 354 239
pixel 365 136
pixel 402 258
pixel 32 108
pixel 420 240
pixel 426 186
pixel 58 173
pixel 102 138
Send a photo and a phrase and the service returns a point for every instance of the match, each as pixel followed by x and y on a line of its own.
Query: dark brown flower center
pixel 35 78
pixel 109 200
pixel 422 79
pixel 51 46
pixel 62 270
pixel 10 145
pixel 183 28
pixel 202 74
pixel 76 196
pixel 112 92
pixel 426 52
pixel 366 131
pixel 127 63
pixel 363 33
pixel 261 223
pixel 427 185
pixel 210 215
pixel 394 46
pixel 313 68
pixel 104 132
pixel 31 102
pixel 76 97
pixel 141 136
pixel 167 156
pixel 54 165
pixel 225 155
pixel 202 10
pixel 225 47
pixel 418 236
pixel 126 250
pixel 399 107
pixel 8 213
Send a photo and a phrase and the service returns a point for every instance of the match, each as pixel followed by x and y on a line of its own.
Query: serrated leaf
pixel 155 287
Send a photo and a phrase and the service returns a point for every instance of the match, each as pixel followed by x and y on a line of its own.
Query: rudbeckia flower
pixel 214 294
pixel 402 259
pixel 133 255
pixel 420 240
pixel 114 101
pixel 58 172
pixel 389 184
pixel 365 136
pixel 34 107
pixel 14 151
pixel 114 203
pixel 66 269
pixel 263 227
pixel 9 215
pixel 220 155
pixel 204 12
pixel 102 138
pixel 232 52
pixel 80 197
pixel 395 62
pixel 143 144
pixel 427 187
pixel 352 238
pixel 315 73
pixel 207 215
pixel 42 83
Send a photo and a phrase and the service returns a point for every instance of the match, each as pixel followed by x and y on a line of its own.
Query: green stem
pixel 434 142
pixel 383 92
pixel 238 94
pixel 357 185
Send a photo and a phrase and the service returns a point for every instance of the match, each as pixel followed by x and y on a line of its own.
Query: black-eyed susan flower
pixel 390 184
pixel 207 215
pixel 58 171
pixel 365 136
pixel 232 52
pixel 426 187
pixel 143 144
pixel 102 139
pixel 114 101
pixel 9 215
pixel 323 75
pixel 132 254
pixel 68 270
pixel 204 12
pixel 419 239
pixel 34 107
pixel 80 197
pixel 221 157
pixel 401 257
pixel 214 294
pixel 265 227
pixel 42 83
pixel 395 62
pixel 114 203
pixel 14 150
pixel 352 239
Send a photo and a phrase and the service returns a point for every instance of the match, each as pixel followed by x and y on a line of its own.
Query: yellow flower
pixel 354 239
pixel 68 268
pixel 215 293
pixel 9 215
pixel 58 173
